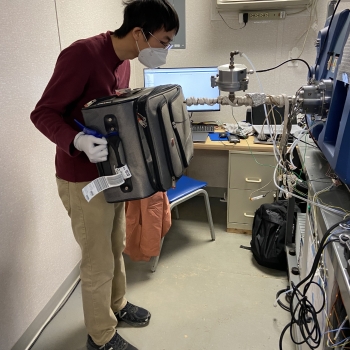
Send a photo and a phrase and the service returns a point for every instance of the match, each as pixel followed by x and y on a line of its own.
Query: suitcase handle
pixel 112 97
pixel 114 140
pixel 104 168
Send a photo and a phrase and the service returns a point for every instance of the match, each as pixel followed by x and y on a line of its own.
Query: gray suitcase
pixel 149 131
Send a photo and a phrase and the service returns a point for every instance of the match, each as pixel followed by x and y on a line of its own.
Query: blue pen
pixel 88 131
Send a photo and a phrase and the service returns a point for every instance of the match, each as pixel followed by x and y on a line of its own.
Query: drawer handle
pixel 248 215
pixel 251 180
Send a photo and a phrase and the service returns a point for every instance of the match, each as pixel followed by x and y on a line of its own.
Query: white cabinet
pixel 248 171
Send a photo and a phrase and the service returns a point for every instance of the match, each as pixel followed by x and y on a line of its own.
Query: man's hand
pixel 94 147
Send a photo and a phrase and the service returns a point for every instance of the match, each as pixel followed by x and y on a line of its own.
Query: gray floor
pixel 204 294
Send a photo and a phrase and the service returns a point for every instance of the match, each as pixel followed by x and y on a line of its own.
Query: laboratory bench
pixel 315 167
pixel 315 222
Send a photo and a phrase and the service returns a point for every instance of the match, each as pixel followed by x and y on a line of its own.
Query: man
pixel 88 69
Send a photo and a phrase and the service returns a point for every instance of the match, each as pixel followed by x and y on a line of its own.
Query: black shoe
pixel 116 343
pixel 133 315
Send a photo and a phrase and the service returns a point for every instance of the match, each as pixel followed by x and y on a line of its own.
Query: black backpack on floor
pixel 268 235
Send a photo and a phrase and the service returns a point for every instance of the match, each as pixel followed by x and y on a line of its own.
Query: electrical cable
pixel 337 212
pixel 276 151
pixel 296 59
pixel 346 212
pixel 318 180
pixel 325 40
pixel 341 327
pixel 295 142
pixel 259 189
pixel 314 200
pixel 313 7
pixel 303 313
pixel 300 193
pixel 256 161
pixel 336 330
pixel 305 310
pixel 278 297
pixel 228 25
pixel 302 133
pixel 251 152
pixel 58 28
pixel 333 312
pixel 312 136
pixel 261 135
pixel 309 144
pixel 295 13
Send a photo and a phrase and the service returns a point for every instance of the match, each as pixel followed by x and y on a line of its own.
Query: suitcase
pixel 148 130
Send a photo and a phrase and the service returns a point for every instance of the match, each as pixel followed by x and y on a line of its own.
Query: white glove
pixel 94 147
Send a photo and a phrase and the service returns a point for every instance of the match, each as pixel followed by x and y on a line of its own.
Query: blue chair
pixel 185 189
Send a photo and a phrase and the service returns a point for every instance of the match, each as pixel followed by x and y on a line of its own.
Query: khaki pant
pixel 99 229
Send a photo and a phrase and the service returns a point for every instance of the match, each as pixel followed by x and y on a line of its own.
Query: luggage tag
pixel 122 92
pixel 126 92
pixel 103 182
pixel 100 184
pixel 116 144
pixel 124 171
pixel 142 120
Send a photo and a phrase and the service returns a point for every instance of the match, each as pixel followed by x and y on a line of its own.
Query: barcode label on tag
pixel 100 184
pixel 124 171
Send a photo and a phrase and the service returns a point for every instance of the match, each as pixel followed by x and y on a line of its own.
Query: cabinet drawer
pixel 241 209
pixel 246 174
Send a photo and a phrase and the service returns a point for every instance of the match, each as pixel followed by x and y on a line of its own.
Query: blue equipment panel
pixel 329 51
pixel 333 137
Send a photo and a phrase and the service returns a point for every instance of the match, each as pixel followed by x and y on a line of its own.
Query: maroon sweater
pixel 85 70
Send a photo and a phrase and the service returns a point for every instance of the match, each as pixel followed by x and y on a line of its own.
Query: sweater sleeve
pixel 67 83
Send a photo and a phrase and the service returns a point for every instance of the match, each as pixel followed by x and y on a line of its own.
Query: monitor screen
pixel 195 82
pixel 256 115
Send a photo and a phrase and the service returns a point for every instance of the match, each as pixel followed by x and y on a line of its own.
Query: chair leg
pixel 177 213
pixel 156 258
pixel 210 219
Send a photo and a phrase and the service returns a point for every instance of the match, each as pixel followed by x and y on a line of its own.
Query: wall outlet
pixel 262 15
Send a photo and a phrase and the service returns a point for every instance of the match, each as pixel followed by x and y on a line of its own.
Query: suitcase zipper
pixel 143 130
pixel 114 141
pixel 176 132
pixel 142 112
pixel 165 141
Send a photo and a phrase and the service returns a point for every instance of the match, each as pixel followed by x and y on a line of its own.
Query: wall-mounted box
pixel 180 39
pixel 239 5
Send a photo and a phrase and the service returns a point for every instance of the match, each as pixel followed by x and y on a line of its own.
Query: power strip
pixel 262 15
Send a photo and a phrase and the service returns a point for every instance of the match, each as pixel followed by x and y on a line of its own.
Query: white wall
pixel 267 44
pixel 37 250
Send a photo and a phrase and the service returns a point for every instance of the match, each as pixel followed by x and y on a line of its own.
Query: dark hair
pixel 150 15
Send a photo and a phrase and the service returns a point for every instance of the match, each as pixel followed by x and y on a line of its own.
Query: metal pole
pixel 290 221
pixel 330 8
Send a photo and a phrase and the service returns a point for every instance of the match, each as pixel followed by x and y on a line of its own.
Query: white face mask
pixel 152 57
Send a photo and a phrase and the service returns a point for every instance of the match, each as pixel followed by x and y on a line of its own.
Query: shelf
pixel 315 167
